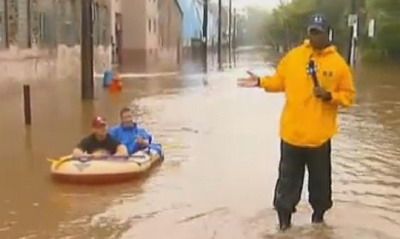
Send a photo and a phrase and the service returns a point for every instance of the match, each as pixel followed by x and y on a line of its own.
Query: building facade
pixel 193 22
pixel 116 31
pixel 151 34
pixel 170 24
pixel 193 26
pixel 40 39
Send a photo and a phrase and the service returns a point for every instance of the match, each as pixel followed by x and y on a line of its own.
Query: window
pixel 101 27
pixel 155 25
pixel 17 11
pixel 46 25
pixel 149 25
pixel 35 22
pixel 105 24
pixel 3 36
pixel 23 37
pixel 67 22
pixel 97 25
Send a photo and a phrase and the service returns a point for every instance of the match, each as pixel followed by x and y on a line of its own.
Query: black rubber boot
pixel 318 217
pixel 285 219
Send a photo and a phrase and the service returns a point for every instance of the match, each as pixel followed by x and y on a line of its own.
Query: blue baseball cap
pixel 318 22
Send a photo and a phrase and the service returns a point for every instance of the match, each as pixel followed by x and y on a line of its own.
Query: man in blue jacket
pixel 132 136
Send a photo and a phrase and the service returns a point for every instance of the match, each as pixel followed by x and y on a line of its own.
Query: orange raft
pixel 103 170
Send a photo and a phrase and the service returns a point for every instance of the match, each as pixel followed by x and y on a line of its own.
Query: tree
pixel 387 16
pixel 252 26
pixel 286 25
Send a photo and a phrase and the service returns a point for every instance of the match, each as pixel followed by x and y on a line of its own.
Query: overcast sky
pixel 258 3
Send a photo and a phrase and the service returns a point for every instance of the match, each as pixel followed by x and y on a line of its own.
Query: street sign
pixel 330 34
pixel 355 31
pixel 352 20
pixel 371 28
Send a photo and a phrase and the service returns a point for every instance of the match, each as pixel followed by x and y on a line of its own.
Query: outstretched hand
pixel 249 82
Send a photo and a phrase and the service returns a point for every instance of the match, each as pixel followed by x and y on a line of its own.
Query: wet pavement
pixel 222 151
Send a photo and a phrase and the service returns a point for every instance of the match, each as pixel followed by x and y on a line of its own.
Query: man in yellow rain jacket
pixel 316 81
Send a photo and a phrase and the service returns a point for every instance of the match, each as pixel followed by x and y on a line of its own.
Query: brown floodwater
pixel 222 151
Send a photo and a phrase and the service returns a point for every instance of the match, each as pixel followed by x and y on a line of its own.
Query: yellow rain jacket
pixel 306 120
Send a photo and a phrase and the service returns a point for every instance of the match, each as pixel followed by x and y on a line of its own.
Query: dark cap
pixel 318 22
pixel 98 122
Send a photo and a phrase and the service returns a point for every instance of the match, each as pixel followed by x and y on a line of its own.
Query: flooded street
pixel 222 151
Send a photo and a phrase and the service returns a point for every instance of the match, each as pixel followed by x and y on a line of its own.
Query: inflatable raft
pixel 105 169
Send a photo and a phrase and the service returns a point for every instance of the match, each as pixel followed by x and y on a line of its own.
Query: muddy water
pixel 221 162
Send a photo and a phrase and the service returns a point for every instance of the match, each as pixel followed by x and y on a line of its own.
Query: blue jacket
pixel 129 135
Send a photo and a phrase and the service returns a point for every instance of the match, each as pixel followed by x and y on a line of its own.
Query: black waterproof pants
pixel 291 175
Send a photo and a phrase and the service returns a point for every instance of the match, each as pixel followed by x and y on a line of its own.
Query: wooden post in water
pixel 27 105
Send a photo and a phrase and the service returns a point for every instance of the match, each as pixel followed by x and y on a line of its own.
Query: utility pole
pixel 230 32
pixel 234 36
pixel 353 22
pixel 219 34
pixel 205 35
pixel 87 86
